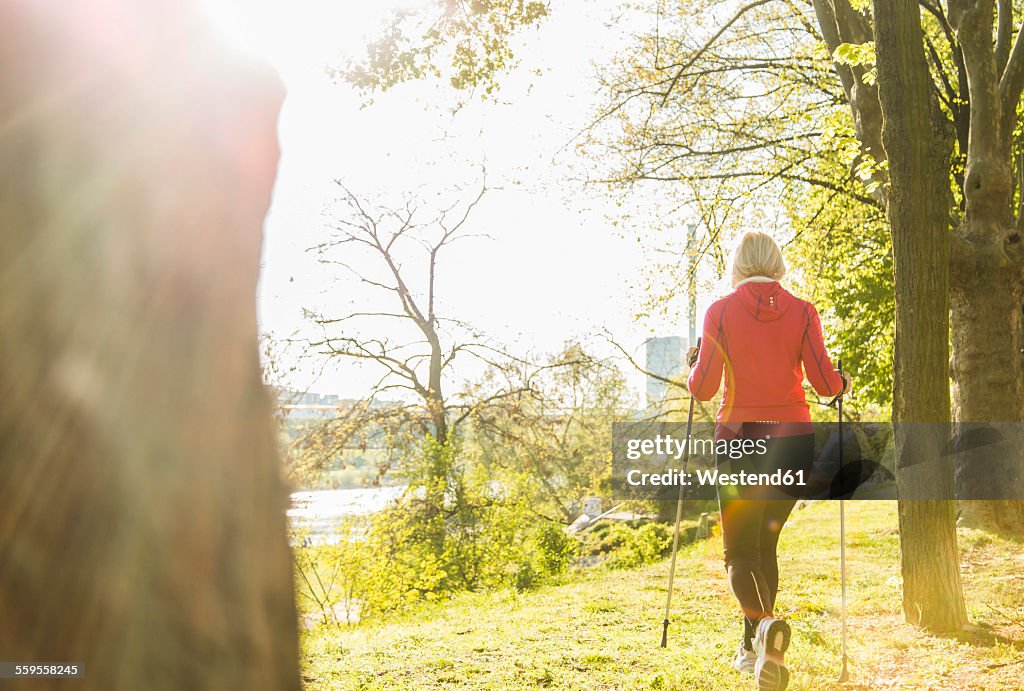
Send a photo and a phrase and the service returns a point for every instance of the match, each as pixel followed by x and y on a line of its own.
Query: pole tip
pixel 844 675
pixel 664 634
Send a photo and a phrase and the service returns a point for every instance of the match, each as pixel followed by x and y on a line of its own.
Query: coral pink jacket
pixel 763 338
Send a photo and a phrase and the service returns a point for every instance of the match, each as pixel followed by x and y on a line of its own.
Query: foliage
pixel 858 55
pixel 355 446
pixel 555 444
pixel 488 507
pixel 727 124
pixel 333 578
pixel 399 332
pixel 722 125
pixel 645 544
pixel 553 553
pixel 454 530
pixel 842 253
pixel 469 41
pixel 555 549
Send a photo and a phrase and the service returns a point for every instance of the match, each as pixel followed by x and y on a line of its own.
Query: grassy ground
pixel 602 630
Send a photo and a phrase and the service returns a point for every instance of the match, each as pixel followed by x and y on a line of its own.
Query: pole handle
pixel 838 399
pixel 697 346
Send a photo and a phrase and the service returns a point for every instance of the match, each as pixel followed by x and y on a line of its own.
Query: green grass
pixel 602 630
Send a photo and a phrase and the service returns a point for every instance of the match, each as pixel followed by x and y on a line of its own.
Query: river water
pixel 322 512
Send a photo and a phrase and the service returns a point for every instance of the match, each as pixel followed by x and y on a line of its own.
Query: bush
pixel 526 577
pixel 332 579
pixel 638 546
pixel 453 530
pixel 456 529
pixel 555 550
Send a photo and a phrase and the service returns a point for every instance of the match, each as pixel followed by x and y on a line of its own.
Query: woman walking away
pixel 759 336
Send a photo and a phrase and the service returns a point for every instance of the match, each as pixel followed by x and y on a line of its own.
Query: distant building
pixel 309 404
pixel 666 357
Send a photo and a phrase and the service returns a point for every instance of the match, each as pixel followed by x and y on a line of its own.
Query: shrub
pixel 637 546
pixel 555 550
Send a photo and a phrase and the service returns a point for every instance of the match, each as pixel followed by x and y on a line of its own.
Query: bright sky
pixel 553 269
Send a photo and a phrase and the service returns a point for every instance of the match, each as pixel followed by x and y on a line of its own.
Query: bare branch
pixel 710 42
pixel 636 365
pixel 487 401
pixel 356 315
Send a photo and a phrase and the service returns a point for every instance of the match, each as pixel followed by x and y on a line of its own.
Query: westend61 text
pixel 780 478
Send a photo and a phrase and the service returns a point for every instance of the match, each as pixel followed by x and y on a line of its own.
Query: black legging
pixel 751 527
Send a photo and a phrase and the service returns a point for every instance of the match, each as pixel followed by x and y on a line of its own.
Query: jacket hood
pixel 766 302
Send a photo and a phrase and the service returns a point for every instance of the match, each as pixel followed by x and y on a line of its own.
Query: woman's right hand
pixel 847 383
pixel 691 355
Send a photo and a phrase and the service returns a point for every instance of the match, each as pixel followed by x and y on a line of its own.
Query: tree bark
pixel 988 369
pixel 839 23
pixel 142 511
pixel 918 145
pixel 986 314
pixel 986 285
pixel 986 334
pixel 932 591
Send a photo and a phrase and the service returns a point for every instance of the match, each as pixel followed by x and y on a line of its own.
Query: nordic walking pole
pixel 679 517
pixel 843 674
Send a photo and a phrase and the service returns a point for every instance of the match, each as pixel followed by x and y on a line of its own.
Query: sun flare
pixel 302 32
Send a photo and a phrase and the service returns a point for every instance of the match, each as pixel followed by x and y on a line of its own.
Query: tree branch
pixel 1004 33
pixel 710 42
pixel 638 368
pixel 1012 81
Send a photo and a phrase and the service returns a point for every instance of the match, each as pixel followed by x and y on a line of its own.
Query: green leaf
pixel 855 54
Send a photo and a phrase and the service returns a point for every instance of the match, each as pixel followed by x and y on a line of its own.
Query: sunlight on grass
pixel 602 630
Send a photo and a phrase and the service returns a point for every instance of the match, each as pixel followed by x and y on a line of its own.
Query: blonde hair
pixel 757 255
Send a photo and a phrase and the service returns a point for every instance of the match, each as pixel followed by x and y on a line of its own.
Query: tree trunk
pixel 436 406
pixel 986 326
pixel 918 146
pixel 839 23
pixel 987 362
pixel 986 281
pixel 932 591
pixel 142 511
pixel 986 315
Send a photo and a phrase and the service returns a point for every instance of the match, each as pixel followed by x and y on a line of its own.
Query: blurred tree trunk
pixel 142 512
pixel 918 144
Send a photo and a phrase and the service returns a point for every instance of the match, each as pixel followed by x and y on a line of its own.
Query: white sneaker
pixel 770 642
pixel 744 660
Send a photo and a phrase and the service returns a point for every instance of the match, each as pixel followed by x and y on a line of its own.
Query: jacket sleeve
pixel 820 372
pixel 706 375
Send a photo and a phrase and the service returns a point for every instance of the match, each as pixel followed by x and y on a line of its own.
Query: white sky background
pixel 554 268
